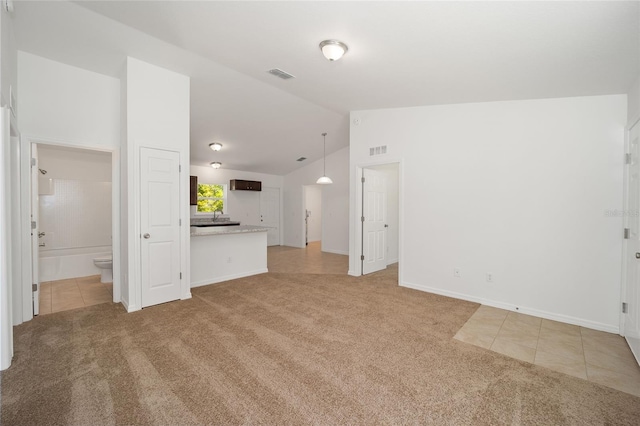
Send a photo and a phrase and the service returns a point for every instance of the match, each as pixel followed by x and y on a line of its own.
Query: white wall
pixel 157 116
pixel 633 101
pixel 391 178
pixel 313 204
pixel 519 189
pixel 77 212
pixel 10 267
pixel 8 65
pixel 335 203
pixel 243 206
pixel 65 105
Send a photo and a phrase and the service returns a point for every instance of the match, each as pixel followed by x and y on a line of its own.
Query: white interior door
pixel 374 225
pixel 159 226
pixel 270 214
pixel 632 290
pixel 35 208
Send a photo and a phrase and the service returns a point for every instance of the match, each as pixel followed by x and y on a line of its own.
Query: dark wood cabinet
pixel 193 190
pixel 245 185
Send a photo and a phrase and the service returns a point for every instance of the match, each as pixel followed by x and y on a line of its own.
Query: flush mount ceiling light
pixel 216 146
pixel 333 49
pixel 324 180
pixel 216 164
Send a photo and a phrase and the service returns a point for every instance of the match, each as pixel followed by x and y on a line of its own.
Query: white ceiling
pixel 400 54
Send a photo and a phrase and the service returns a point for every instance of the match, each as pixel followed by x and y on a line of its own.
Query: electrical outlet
pixel 456 272
pixel 489 277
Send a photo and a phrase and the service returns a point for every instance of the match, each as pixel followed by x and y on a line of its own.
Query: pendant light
pixel 324 180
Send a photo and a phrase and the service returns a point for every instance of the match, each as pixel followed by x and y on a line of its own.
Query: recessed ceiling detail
pixel 282 74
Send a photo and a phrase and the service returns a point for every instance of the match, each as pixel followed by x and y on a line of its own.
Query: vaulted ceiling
pixel 400 54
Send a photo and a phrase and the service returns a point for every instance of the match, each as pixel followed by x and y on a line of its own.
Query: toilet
pixel 106 266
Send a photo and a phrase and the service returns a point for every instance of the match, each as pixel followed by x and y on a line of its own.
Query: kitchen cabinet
pixel 245 185
pixel 193 190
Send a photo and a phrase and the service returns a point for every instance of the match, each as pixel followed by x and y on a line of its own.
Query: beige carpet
pixel 287 349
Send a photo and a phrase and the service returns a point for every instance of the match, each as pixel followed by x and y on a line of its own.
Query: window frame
pixel 224 199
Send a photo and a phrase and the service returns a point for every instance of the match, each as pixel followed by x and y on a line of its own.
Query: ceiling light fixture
pixel 324 180
pixel 216 146
pixel 333 49
pixel 216 164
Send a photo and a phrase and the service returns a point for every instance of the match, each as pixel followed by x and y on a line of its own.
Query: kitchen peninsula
pixel 222 253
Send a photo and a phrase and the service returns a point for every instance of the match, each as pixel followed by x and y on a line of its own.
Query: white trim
pixel 355 264
pixel 342 252
pixel 229 277
pixel 25 177
pixel 511 307
pixel 352 274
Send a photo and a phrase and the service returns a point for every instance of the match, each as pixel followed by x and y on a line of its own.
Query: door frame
pixel 25 189
pixel 355 264
pixel 134 233
pixel 625 251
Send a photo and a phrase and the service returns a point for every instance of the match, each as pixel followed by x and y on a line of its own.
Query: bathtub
pixel 60 264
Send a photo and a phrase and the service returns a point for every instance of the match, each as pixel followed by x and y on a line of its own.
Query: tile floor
pixel 600 357
pixel 309 260
pixel 73 293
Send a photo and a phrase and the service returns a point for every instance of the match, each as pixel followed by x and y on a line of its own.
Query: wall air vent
pixel 282 74
pixel 301 159
pixel 378 150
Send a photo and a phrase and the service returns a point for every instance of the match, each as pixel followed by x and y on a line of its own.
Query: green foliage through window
pixel 210 198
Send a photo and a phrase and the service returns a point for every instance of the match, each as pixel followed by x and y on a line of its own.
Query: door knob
pixel 146 236
pixel 637 255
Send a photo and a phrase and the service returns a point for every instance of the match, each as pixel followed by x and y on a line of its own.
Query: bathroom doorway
pixel 72 202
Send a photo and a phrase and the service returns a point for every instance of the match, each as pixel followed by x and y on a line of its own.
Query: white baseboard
pixel 353 274
pixel 521 309
pixel 186 296
pixel 129 308
pixel 228 277
pixel 342 252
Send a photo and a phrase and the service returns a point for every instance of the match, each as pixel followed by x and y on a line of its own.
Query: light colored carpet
pixel 287 349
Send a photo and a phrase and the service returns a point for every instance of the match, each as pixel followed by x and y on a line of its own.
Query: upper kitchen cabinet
pixel 193 190
pixel 245 185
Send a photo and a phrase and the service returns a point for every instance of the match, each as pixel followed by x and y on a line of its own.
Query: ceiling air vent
pixel 301 159
pixel 279 73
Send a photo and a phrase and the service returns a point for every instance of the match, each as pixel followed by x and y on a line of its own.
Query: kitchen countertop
pixel 224 230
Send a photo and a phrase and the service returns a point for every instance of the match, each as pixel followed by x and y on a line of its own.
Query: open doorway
pixel 313 215
pixel 72 241
pixel 380 226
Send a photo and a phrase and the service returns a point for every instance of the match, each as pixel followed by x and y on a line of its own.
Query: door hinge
pixel 179 168
pixel 33 224
pixel 362 180
pixel 627 158
pixel 362 219
pixel 625 307
pixel 33 162
pixel 179 222
pixel 626 233
pixel 34 287
pixel 180 275
pixel 362 257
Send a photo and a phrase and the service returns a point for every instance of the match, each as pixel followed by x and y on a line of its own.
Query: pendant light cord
pixel 324 152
